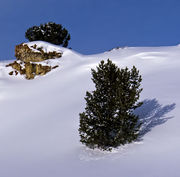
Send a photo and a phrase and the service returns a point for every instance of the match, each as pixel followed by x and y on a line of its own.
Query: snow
pixel 46 47
pixel 40 118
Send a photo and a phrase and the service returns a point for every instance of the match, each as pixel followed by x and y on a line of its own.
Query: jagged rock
pixel 16 73
pixel 17 66
pixel 28 54
pixel 34 53
pixel 11 73
pixel 29 69
pixel 55 67
pixel 42 70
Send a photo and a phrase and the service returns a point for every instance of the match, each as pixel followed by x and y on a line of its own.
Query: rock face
pixel 28 54
pixel 30 70
pixel 34 53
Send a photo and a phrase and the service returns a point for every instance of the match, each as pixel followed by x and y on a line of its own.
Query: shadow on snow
pixel 152 114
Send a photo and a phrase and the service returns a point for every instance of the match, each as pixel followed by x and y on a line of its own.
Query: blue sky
pixel 95 25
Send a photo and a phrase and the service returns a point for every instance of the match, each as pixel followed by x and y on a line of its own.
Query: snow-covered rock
pixel 28 54
pixel 37 51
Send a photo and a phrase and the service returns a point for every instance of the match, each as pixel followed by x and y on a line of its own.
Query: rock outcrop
pixel 27 57
pixel 30 70
pixel 34 53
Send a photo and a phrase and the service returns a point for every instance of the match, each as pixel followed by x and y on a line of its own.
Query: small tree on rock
pixel 49 32
pixel 108 120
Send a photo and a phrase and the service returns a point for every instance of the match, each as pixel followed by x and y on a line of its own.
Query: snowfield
pixel 39 119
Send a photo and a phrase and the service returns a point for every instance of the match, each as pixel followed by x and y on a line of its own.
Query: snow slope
pixel 39 119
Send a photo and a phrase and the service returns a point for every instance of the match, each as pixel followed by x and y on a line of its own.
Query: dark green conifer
pixel 108 120
pixel 49 32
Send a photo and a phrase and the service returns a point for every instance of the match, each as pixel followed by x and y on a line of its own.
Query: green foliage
pixel 49 32
pixel 108 120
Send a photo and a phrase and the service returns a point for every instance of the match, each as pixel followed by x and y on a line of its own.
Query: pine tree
pixel 49 32
pixel 108 120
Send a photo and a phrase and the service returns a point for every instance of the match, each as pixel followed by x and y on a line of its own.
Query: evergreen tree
pixel 108 120
pixel 49 32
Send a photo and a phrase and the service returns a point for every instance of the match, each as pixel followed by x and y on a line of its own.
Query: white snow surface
pixel 39 119
pixel 46 47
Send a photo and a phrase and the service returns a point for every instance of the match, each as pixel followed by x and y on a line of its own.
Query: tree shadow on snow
pixel 152 114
